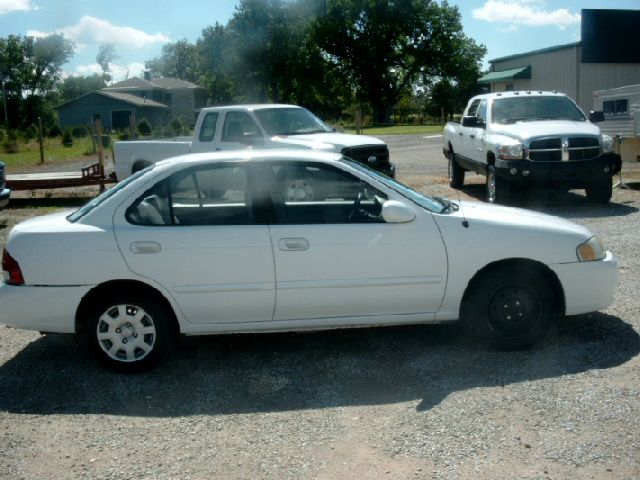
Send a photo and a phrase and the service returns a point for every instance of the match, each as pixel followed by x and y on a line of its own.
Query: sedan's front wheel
pixel 510 308
pixel 129 334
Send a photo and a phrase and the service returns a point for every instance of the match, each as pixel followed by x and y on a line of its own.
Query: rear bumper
pixel 570 174
pixel 588 286
pixel 44 309
pixel 5 193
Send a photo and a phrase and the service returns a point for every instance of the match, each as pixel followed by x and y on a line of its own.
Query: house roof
pixel 140 83
pixel 536 52
pixel 123 97
pixel 511 74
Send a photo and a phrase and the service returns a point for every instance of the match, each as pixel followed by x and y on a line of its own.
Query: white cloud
pixel 525 12
pixel 9 6
pixel 94 31
pixel 118 72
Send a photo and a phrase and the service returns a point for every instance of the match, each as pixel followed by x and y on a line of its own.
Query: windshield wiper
pixel 447 205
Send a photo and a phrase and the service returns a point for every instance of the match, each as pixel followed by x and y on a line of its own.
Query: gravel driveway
pixel 387 403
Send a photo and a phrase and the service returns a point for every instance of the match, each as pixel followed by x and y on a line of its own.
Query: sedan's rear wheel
pixel 511 308
pixel 129 334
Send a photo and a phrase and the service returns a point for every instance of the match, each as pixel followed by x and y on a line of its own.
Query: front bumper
pixel 588 286
pixel 569 174
pixel 5 193
pixel 44 309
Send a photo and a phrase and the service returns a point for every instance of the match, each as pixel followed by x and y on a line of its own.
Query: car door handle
pixel 293 244
pixel 472 136
pixel 145 247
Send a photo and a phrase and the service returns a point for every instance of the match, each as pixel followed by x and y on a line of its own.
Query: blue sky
pixel 139 28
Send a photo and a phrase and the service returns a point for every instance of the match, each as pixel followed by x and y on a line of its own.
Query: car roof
pixel 252 155
pixel 521 93
pixel 254 106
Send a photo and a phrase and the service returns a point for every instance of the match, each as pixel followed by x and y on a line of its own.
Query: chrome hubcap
pixel 491 187
pixel 126 333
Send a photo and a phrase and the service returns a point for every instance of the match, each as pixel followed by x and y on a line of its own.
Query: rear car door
pixel 195 234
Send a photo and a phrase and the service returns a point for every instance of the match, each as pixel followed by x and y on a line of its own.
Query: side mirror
pixel 596 117
pixel 395 212
pixel 472 121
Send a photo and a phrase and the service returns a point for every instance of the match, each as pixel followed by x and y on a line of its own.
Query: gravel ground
pixel 397 403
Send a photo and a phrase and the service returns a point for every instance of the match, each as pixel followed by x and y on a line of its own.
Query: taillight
pixel 10 266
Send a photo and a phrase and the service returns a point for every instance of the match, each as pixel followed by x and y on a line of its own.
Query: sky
pixel 139 28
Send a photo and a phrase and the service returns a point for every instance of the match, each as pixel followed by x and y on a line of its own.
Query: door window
pixel 238 127
pixel 309 193
pixel 208 129
pixel 211 196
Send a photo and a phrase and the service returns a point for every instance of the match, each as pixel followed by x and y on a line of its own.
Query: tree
pixel 73 87
pixel 106 55
pixel 179 60
pixel 382 48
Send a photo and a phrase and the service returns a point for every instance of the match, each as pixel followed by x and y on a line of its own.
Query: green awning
pixel 511 74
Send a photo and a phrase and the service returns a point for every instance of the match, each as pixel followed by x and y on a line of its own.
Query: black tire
pixel 456 172
pixel 511 308
pixel 498 190
pixel 129 333
pixel 140 165
pixel 600 192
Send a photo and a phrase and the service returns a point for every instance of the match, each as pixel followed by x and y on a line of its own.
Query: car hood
pixel 546 128
pixel 512 233
pixel 327 141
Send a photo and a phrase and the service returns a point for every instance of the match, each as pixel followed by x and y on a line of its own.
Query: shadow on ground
pixel 572 203
pixel 279 372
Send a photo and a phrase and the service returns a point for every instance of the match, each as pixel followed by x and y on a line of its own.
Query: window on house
pixel 615 107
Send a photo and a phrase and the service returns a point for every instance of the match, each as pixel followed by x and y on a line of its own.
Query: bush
pixel 123 135
pixel 80 131
pixel 30 133
pixel 144 127
pixel 67 138
pixel 10 143
pixel 54 132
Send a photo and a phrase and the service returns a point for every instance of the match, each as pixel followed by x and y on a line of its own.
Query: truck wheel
pixel 498 189
pixel 511 308
pixel 456 172
pixel 600 192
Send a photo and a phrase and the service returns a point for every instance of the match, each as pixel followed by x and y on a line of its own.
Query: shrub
pixel 123 135
pixel 67 138
pixel 30 133
pixel 54 132
pixel 144 127
pixel 10 143
pixel 80 131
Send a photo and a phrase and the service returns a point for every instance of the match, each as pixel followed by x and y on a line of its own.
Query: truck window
pixel 237 125
pixel 473 108
pixel 482 112
pixel 208 127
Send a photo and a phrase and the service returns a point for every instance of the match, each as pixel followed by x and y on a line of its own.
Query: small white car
pixel 291 240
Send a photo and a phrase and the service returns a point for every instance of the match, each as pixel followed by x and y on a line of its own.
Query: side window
pixel 210 196
pixel 208 129
pixel 317 194
pixel 238 126
pixel 482 112
pixel 473 108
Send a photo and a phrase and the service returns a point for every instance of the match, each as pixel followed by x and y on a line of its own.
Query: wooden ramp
pixel 44 180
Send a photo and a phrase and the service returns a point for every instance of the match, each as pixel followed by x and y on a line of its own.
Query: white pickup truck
pixel 254 126
pixel 530 139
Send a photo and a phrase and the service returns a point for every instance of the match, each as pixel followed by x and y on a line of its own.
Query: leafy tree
pixel 73 87
pixel 179 60
pixel 382 48
pixel 106 55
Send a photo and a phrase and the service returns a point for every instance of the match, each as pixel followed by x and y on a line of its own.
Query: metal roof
pixel 164 83
pixel 536 52
pixel 123 97
pixel 511 74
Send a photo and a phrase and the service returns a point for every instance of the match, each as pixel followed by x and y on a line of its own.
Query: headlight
pixel 510 151
pixel 607 144
pixel 590 250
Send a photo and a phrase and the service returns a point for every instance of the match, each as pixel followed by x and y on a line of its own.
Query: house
pixel 621 108
pixel 113 109
pixel 183 98
pixel 603 59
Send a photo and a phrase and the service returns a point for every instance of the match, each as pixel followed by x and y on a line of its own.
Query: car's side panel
pixel 359 269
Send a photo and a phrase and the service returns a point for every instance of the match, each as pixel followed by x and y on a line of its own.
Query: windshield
pixel 529 109
pixel 433 204
pixel 85 209
pixel 290 121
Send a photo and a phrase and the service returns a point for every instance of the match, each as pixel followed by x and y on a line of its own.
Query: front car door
pixel 195 234
pixel 337 259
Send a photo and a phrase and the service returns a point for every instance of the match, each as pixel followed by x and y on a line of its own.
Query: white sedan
pixel 284 240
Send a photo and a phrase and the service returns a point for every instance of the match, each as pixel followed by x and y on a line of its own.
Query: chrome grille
pixel 556 149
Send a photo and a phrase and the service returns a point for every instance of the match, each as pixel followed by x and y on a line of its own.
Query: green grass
pixel 401 130
pixel 54 152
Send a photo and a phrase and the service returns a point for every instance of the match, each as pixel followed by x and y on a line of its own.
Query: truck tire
pixel 600 192
pixel 456 172
pixel 498 189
